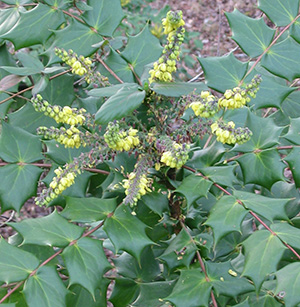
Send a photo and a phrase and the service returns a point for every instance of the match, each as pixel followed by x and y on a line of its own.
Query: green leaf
pixel 282 59
pixel 252 35
pixel 287 233
pixel 45 289
pixel 15 264
pixel 258 263
pixel 281 12
pixel 17 145
pixel 288 284
pixel 177 89
pixel 21 71
pixel 142 49
pixel 224 283
pixel 100 17
pixel 263 168
pixel 291 106
pixel 293 134
pixel 87 210
pixel 8 18
pixel 75 36
pixel 293 160
pixel 157 202
pixel 220 174
pixel 127 232
pixel 269 208
pixel 225 217
pixel 222 73
pixel 180 251
pixel 110 90
pixel 30 61
pixel 191 289
pixel 86 263
pixel 34 26
pixel 122 103
pixel 194 187
pixel 16 176
pixel 28 119
pixel 124 292
pixel 51 230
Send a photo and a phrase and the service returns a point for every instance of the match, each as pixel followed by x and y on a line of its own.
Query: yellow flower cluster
pixel 60 183
pixel 206 106
pixel 140 184
pixel 233 99
pixel 177 156
pixel 71 138
pixel 121 140
pixel 66 115
pixel 172 22
pixel 162 71
pixel 124 2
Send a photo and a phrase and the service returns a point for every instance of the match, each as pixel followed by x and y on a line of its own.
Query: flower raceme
pixel 176 156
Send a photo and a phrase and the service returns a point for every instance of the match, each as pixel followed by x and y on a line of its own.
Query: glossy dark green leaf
pixel 293 160
pixel 222 73
pixel 177 89
pixel 21 71
pixel 123 103
pixel 51 230
pixel 225 217
pixel 75 36
pixel 86 263
pixel 225 283
pixel 220 174
pixel 194 187
pixel 45 289
pixel 290 106
pixel 288 283
pixel 258 263
pixel 16 176
pixel 293 133
pixel 282 59
pixel 8 18
pixel 87 210
pixel 281 12
pixel 142 49
pixel 191 289
pixel 263 168
pixel 265 301
pixel 100 16
pixel 17 145
pixel 34 26
pixel 180 252
pixel 127 232
pixel 157 202
pixel 252 35
pixel 147 270
pixel 15 264
pixel 30 60
pixel 287 233
pixel 109 91
pixel 269 208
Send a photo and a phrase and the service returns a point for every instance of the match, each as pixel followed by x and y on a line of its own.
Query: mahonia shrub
pixel 161 192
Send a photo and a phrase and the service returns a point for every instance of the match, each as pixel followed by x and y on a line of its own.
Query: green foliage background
pixel 236 238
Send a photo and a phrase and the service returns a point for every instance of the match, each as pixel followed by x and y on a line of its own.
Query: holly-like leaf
pixel 258 263
pixel 290 106
pixel 87 210
pixel 220 174
pixel 180 252
pixel 123 103
pixel 263 168
pixel 109 91
pixel 45 289
pixel 222 73
pixel 194 187
pixel 293 134
pixel 15 264
pixel 127 232
pixel 16 176
pixel 33 27
pixel 282 59
pixel 281 12
pixel 288 284
pixel 8 18
pixel 191 289
pixel 177 89
pixel 75 36
pixel 100 16
pixel 86 263
pixel 225 283
pixel 287 233
pixel 157 202
pixel 269 208
pixel 293 160
pixel 51 230
pixel 142 49
pixel 225 217
pixel 17 145
pixel 252 35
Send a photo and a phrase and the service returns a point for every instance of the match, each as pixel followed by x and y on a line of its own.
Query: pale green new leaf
pixel 258 263
pixel 15 264
pixel 51 230
pixel 45 289
pixel 86 263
